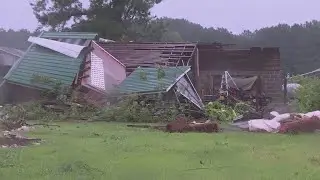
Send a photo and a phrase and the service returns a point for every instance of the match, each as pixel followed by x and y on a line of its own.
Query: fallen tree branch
pixel 41 124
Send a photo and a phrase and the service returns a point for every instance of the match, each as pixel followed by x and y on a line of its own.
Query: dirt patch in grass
pixel 17 142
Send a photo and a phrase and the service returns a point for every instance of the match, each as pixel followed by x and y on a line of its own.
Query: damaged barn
pixel 68 59
pixel 208 63
pixel 99 69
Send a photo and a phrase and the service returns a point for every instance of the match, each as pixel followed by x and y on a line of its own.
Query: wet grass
pixel 113 151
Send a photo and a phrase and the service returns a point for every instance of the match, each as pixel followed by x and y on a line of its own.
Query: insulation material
pixel 242 83
pixel 97 72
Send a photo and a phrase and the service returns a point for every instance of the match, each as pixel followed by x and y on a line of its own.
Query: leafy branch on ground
pixel 218 111
pixel 136 108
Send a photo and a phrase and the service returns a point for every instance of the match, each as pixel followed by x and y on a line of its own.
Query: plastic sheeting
pixel 242 83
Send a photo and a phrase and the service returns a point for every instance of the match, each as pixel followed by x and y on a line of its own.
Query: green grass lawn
pixel 113 151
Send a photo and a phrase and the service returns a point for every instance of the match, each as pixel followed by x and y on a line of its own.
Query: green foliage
pixel 160 73
pixel 128 109
pixel 308 95
pixel 220 112
pixel 137 109
pixel 118 20
pixel 242 108
pixel 142 74
pixel 27 111
pixel 58 91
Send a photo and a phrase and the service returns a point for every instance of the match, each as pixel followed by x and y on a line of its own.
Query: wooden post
pixel 197 73
pixel 285 92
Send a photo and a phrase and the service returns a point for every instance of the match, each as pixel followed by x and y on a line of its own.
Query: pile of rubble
pixel 16 138
pixel 13 129
pixel 181 124
pixel 284 123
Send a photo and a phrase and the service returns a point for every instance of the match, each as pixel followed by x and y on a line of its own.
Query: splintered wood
pixel 182 125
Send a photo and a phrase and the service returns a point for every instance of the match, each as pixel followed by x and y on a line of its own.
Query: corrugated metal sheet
pixel 147 80
pixel 69 35
pixel 45 63
pixel 71 50
pixel 133 55
pixel 185 88
pixel 314 73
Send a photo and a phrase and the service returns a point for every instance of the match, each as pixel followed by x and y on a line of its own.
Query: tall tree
pixel 117 19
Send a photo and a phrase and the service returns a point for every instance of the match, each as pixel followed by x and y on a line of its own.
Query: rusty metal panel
pixel 133 55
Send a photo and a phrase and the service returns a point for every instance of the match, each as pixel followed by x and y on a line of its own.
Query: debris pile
pixel 303 125
pixel 181 124
pixel 284 123
pixel 12 129
pixel 16 138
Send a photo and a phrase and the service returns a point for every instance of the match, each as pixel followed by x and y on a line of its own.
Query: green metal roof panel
pixel 152 80
pixel 70 35
pixel 38 62
pixel 47 64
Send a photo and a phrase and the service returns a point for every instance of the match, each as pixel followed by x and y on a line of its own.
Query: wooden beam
pixel 196 72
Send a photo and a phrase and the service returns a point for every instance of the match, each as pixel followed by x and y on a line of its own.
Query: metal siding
pixel 188 91
pixel 69 35
pixel 66 48
pixel 134 83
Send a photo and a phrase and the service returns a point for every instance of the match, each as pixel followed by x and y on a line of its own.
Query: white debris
pixel 272 125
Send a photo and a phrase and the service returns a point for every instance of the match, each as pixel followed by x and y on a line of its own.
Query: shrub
pixel 308 95
pixel 220 112
pixel 136 109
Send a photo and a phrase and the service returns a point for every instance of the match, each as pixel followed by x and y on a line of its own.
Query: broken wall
pixel 105 71
pixel 242 63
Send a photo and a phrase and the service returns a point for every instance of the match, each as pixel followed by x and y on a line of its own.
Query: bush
pixel 136 109
pixel 308 95
pixel 220 112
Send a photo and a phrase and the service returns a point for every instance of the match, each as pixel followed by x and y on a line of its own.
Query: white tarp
pixel 272 125
pixel 71 50
pixel 291 89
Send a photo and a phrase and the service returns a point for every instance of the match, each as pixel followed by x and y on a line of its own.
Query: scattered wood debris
pixel 181 124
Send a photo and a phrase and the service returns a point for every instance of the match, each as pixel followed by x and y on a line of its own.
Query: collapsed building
pixel 82 60
pixel 56 58
pixel 8 56
pixel 208 62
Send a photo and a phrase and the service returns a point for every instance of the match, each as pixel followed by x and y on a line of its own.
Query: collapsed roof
pixel 133 54
pixel 161 80
pixel 51 56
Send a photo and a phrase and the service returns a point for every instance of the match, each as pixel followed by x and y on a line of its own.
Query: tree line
pixel 131 20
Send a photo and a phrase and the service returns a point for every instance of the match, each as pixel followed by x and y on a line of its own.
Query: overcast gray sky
pixel 235 15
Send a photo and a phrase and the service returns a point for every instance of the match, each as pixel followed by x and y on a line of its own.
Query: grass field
pixel 113 151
